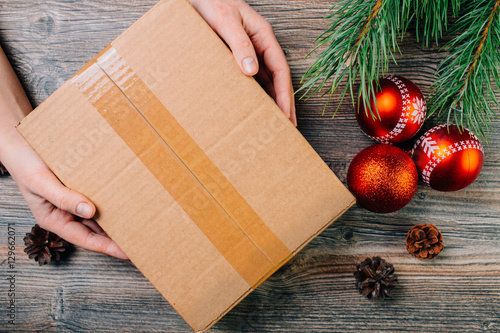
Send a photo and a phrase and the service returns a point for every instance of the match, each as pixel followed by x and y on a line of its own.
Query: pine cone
pixel 375 278
pixel 3 171
pixel 42 245
pixel 424 241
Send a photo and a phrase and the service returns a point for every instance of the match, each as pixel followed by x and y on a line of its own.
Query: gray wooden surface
pixel 48 41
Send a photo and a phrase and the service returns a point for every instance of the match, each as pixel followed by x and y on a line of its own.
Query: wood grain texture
pixel 48 41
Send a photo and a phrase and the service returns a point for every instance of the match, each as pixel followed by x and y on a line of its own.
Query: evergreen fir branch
pixel 360 41
pixel 464 92
pixel 432 18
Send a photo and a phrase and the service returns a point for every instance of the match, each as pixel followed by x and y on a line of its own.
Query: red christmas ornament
pixel 383 178
pixel 401 107
pixel 447 159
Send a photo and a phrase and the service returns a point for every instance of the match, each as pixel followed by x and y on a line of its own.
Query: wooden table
pixel 48 41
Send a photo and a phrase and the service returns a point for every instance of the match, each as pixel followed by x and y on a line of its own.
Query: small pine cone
pixel 375 278
pixel 3 170
pixel 424 241
pixel 42 245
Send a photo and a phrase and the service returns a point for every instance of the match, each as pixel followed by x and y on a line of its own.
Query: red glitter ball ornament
pixel 447 159
pixel 383 178
pixel 401 108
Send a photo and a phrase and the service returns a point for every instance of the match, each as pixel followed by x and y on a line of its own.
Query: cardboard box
pixel 195 172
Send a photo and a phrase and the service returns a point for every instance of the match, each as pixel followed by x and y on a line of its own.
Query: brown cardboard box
pixel 195 172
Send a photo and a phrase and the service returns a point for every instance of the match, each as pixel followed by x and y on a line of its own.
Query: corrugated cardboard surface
pixel 195 172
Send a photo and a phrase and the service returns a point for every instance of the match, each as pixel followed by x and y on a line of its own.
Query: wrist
pixel 12 144
pixel 11 140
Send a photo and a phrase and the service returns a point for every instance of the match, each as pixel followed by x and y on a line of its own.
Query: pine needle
pixel 464 91
pixel 362 38
pixel 359 42
pixel 432 18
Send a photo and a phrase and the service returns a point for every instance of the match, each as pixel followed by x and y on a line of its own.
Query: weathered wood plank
pixel 48 41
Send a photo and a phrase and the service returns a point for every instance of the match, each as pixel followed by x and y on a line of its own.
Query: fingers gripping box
pixel 195 172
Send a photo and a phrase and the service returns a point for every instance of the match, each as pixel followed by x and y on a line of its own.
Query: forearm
pixel 14 106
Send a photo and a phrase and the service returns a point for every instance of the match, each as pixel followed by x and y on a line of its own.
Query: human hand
pixel 56 208
pixel 255 48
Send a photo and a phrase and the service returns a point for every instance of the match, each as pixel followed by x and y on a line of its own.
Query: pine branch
pixel 464 92
pixel 369 21
pixel 360 41
pixel 433 16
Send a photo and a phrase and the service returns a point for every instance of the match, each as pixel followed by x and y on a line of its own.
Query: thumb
pixel 240 44
pixel 64 198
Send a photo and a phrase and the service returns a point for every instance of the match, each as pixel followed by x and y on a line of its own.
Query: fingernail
pixel 84 210
pixel 249 65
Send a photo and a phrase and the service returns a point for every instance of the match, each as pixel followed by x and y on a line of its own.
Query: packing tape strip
pixel 172 174
pixel 123 116
pixel 177 138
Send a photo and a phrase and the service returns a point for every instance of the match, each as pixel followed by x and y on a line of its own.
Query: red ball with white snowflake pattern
pixel 401 111
pixel 448 159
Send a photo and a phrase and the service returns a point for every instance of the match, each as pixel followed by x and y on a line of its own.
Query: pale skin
pixel 68 213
